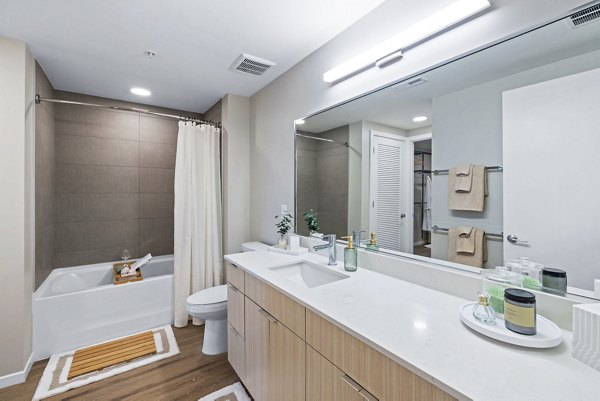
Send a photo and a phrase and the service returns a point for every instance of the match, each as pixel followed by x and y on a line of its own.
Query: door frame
pixel 412 139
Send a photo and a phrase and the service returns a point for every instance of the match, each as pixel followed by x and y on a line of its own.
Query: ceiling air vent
pixel 251 65
pixel 585 16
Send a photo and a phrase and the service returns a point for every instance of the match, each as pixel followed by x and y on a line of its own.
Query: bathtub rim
pixel 65 270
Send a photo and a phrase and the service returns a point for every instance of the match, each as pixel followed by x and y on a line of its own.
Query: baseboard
pixel 419 243
pixel 17 377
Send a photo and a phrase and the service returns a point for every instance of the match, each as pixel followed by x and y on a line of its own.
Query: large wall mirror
pixel 477 163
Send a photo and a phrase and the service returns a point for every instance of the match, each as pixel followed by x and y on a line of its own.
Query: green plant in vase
pixel 284 225
pixel 312 221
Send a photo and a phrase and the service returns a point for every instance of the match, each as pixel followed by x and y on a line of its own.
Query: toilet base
pixel 215 337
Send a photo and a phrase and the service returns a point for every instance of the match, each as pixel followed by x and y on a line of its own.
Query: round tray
pixel 548 334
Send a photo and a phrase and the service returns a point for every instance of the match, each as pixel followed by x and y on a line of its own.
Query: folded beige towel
pixel 465 242
pixel 464 177
pixel 472 200
pixel 475 259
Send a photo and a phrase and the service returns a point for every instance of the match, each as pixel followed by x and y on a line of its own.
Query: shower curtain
pixel 198 223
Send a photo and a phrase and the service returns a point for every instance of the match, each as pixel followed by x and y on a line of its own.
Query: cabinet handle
pixel 351 382
pixel 233 288
pixel 269 317
pixel 366 395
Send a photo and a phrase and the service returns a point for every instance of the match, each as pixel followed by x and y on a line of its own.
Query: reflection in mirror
pixel 490 160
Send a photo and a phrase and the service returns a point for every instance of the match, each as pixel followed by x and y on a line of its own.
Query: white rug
pixel 54 380
pixel 235 392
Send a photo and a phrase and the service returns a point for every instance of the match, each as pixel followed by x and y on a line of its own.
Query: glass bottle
pixel 350 256
pixel 483 310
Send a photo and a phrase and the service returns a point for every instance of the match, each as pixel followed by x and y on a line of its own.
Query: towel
pixel 143 261
pixel 464 177
pixel 427 205
pixel 479 255
pixel 465 242
pixel 472 200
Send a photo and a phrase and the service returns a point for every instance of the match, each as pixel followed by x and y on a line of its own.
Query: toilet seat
pixel 212 299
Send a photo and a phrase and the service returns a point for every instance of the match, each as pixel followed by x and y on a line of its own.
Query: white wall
pixel 236 171
pixel 301 91
pixel 17 175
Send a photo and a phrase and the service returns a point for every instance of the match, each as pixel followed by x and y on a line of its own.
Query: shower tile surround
pixel 113 178
pixel 323 181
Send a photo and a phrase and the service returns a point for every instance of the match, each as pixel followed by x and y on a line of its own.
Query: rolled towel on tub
pixel 140 262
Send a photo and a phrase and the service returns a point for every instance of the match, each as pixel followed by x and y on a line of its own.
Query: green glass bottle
pixel 350 255
pixel 372 244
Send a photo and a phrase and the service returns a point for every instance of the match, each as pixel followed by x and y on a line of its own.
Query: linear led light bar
pixel 435 23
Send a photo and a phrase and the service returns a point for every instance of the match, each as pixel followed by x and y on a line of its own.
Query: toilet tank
pixel 254 246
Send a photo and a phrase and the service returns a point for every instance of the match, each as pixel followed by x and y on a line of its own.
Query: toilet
pixel 210 305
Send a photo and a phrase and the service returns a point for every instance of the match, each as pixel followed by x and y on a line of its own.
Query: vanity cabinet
pixel 360 372
pixel 284 352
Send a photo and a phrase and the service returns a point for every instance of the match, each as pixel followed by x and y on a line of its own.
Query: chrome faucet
pixel 331 244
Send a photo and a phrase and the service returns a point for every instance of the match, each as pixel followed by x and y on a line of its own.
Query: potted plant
pixel 284 225
pixel 311 221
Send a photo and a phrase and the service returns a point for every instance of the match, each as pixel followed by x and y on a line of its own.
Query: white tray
pixel 301 251
pixel 548 334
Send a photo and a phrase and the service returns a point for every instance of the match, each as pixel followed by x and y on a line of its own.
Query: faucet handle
pixel 329 237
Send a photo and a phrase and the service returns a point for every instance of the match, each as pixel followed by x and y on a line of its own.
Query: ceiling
pixel 97 46
pixel 397 105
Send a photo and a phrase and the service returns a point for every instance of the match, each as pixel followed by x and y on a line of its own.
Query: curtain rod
pixel 39 99
pixel 323 139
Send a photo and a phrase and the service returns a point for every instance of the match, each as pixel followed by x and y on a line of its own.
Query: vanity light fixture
pixel 299 122
pixel 391 50
pixel 419 119
pixel 140 91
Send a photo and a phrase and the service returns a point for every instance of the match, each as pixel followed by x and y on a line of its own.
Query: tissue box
pixel 586 334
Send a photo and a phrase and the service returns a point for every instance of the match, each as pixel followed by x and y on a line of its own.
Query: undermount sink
pixel 309 275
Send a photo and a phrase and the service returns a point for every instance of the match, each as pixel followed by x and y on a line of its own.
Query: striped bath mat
pixel 77 368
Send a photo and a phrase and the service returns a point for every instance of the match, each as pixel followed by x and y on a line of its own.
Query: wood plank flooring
pixel 184 377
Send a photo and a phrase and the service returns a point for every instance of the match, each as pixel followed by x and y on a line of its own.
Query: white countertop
pixel 420 329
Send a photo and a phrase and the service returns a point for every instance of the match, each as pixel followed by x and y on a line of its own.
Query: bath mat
pixel 55 379
pixel 235 392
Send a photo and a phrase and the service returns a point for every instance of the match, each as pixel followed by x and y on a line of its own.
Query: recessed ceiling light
pixel 299 122
pixel 140 91
pixel 419 119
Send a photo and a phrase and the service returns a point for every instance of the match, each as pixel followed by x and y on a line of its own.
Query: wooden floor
pixel 422 250
pixel 187 376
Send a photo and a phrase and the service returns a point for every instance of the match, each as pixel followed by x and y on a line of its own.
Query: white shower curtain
pixel 198 252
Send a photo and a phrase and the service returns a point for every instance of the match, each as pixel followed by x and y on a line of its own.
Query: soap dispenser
pixel 372 245
pixel 350 255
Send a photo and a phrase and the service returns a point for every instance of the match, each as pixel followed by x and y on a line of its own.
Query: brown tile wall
pixel 114 182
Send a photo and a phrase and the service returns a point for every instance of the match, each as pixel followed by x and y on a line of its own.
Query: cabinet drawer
pixel 236 351
pixel 235 275
pixel 290 313
pixel 235 309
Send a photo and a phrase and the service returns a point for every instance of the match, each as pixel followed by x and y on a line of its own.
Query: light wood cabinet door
pixel 236 354
pixel 256 351
pixel 287 364
pixel 319 376
pixel 235 309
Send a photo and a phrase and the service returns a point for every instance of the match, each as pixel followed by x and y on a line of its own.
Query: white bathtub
pixel 79 306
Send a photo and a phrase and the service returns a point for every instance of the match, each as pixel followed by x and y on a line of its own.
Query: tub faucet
pixel 331 244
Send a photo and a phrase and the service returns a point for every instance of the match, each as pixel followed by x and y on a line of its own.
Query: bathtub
pixel 79 306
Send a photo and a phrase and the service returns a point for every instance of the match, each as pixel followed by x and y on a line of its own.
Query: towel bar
pixel 501 235
pixel 487 168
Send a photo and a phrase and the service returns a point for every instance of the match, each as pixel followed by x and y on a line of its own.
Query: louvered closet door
pixel 386 189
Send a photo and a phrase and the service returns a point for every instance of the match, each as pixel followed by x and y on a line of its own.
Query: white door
pixel 551 174
pixel 387 213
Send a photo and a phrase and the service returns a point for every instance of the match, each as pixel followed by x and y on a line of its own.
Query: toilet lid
pixel 208 296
